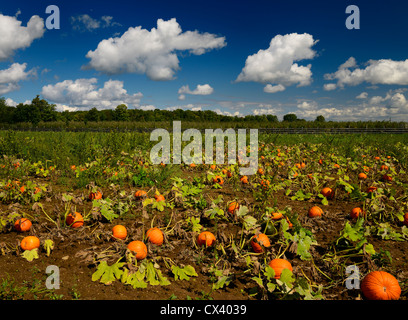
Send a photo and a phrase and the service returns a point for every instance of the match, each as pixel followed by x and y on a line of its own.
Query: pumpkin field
pixel 324 218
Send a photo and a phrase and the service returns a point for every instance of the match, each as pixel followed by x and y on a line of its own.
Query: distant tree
pixel 272 118
pixel 121 113
pixel 320 119
pixel 92 115
pixel 290 117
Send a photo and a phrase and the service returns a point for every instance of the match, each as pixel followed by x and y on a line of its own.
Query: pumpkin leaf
pixel 48 246
pixel 107 274
pixel 183 273
pixel 30 255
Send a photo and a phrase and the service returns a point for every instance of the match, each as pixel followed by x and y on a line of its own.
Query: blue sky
pixel 233 57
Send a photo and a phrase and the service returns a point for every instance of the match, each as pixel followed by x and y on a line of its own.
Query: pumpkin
pixel 155 236
pixel 206 238
pixel 276 216
pixel 260 171
pixel 75 220
pixel 380 285
pixel 229 174
pixel 22 225
pixel 327 192
pixel 258 241
pixel 140 194
pixel 355 213
pixel 384 167
pixel 315 212
pixel 219 180
pixel 30 243
pixel 233 206
pixel 95 195
pixel 406 219
pixel 371 189
pixel 278 265
pixel 244 179
pixel 139 248
pixel 265 184
pixel 386 177
pixel 159 197
pixel 362 176
pixel 119 232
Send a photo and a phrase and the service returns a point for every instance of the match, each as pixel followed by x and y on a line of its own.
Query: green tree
pixel 121 113
pixel 92 115
pixel 290 117
pixel 320 119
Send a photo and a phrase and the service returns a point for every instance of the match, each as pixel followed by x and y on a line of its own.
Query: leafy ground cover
pixel 46 182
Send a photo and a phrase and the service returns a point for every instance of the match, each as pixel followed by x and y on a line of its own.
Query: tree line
pixel 41 111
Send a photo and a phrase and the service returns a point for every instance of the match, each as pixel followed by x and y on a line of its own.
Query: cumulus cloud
pixel 362 95
pixel 10 77
pixel 14 36
pixel 85 22
pixel 383 71
pixel 272 89
pixel 202 90
pixel 153 52
pixel 83 93
pixel 276 65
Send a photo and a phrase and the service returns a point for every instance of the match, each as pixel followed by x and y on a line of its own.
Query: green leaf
pixel 48 246
pixel 183 273
pixel 107 274
pixel 30 255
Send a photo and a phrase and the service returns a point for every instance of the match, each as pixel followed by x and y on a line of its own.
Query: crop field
pixel 290 231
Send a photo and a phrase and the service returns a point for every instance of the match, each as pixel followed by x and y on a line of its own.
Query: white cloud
pixel 151 52
pixel 10 77
pixel 362 95
pixel 203 90
pixel 276 65
pixel 383 71
pixel 85 22
pixel 272 89
pixel 329 86
pixel 14 36
pixel 147 107
pixel 10 102
pixel 83 93
pixel 307 105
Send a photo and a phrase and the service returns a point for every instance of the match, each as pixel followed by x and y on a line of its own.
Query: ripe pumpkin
pixel 22 225
pixel 355 213
pixel 95 195
pixel 265 184
pixel 276 216
pixel 155 236
pixel 119 232
pixel 258 241
pixel 30 243
pixel 140 194
pixel 362 176
pixel 139 248
pixel 278 265
pixel 233 206
pixel 260 171
pixel 206 238
pixel 75 220
pixel 380 285
pixel 327 192
pixel 384 167
pixel 371 189
pixel 219 180
pixel 244 179
pixel 315 212
pixel 159 197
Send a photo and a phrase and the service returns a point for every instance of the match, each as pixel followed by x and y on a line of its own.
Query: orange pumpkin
pixel 159 197
pixel 327 192
pixel 355 213
pixel 95 195
pixel 233 206
pixel 22 225
pixel 384 167
pixel 315 212
pixel 219 180
pixel 362 176
pixel 265 184
pixel 371 189
pixel 155 236
pixel 380 285
pixel 75 220
pixel 244 179
pixel 258 241
pixel 30 243
pixel 260 171
pixel 278 265
pixel 139 248
pixel 140 194
pixel 206 238
pixel 119 232
pixel 276 216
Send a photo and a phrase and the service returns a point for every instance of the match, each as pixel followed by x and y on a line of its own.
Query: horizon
pixel 234 58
